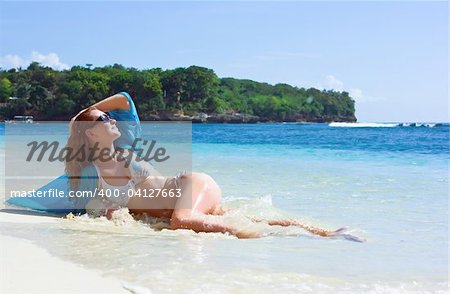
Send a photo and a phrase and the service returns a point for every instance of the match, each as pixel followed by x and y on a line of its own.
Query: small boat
pixel 28 119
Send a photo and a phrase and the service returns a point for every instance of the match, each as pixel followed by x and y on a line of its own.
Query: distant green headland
pixel 193 93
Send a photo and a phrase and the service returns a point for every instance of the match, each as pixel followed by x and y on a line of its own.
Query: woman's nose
pixel 112 121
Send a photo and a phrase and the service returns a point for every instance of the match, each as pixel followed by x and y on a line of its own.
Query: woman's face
pixel 105 128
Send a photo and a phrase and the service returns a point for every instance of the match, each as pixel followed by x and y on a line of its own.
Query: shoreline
pixel 259 122
pixel 28 268
pixel 201 117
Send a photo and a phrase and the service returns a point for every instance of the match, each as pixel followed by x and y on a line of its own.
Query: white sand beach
pixel 27 268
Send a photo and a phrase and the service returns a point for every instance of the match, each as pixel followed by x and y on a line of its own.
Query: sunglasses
pixel 104 118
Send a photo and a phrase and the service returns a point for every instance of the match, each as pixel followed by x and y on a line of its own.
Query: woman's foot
pixel 343 232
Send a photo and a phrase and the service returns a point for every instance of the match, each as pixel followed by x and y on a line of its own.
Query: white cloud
pixel 14 61
pixel 356 94
pixel 337 85
pixel 51 60
pixel 332 83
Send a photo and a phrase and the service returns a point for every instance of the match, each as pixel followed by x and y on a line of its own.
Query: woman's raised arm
pixel 114 102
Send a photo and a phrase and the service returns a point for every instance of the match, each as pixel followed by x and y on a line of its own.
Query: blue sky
pixel 391 56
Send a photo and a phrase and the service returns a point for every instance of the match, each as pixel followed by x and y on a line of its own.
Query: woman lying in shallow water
pixel 197 194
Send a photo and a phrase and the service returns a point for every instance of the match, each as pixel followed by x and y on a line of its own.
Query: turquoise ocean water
pixel 388 183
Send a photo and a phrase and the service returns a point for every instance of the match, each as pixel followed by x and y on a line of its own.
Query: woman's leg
pixel 201 196
pixel 221 210
pixel 342 232
pixel 297 223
